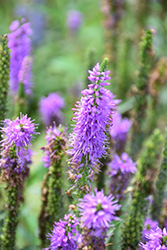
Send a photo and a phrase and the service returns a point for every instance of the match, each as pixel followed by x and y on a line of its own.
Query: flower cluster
pixel 119 130
pixel 149 226
pixel 65 235
pixel 97 212
pixel 20 45
pixel 25 74
pixel 157 239
pixel 56 142
pixel 120 170
pixel 74 20
pixel 50 109
pixel 15 150
pixel 93 117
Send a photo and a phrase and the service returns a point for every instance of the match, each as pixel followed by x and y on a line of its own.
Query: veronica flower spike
pixel 14 161
pixel 92 114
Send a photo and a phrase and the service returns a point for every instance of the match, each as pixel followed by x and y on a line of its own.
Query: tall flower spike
pixel 97 212
pixel 4 74
pixel 141 92
pixel 93 117
pixel 20 45
pixel 14 161
pixel 142 188
pixel 54 152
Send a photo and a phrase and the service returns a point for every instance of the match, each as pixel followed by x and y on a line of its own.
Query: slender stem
pixel 10 223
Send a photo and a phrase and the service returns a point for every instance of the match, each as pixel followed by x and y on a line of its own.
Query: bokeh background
pixel 62 55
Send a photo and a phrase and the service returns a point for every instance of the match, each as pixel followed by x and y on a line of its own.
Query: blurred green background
pixel 61 60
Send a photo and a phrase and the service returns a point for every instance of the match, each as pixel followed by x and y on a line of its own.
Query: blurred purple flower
pixel 123 164
pixel 97 212
pixel 25 75
pixel 119 130
pixel 16 142
pixel 149 225
pixel 65 234
pixel 50 109
pixel 34 13
pixel 74 20
pixel 120 170
pixel 20 45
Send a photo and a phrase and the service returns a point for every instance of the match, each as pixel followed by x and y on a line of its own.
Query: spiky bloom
pixel 25 75
pixel 50 109
pixel 120 170
pixel 93 117
pixel 65 235
pixel 119 130
pixel 157 239
pixel 97 212
pixel 74 20
pixel 17 136
pixel 20 45
pixel 149 226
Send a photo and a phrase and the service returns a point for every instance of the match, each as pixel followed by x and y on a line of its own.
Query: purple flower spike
pixel 157 239
pixel 97 212
pixel 93 117
pixel 16 142
pixel 25 75
pixel 65 235
pixel 52 133
pixel 20 45
pixel 149 225
pixel 50 109
pixel 74 20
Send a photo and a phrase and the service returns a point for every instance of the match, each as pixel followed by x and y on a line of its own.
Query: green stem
pixel 160 185
pixel 10 223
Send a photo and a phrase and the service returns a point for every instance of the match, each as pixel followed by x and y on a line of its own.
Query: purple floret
pixel 74 20
pixel 16 142
pixel 50 109
pixel 97 212
pixel 157 240
pixel 65 235
pixel 20 45
pixel 123 164
pixel 93 117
